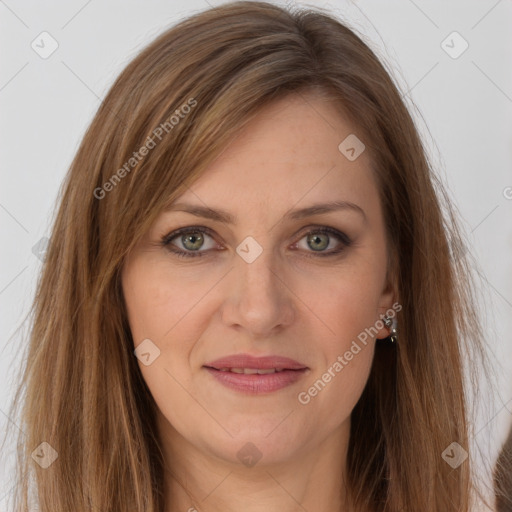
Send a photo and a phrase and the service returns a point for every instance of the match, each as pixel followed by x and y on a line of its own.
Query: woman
pixel 251 298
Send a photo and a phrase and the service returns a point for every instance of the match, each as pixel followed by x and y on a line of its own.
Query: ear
pixel 388 305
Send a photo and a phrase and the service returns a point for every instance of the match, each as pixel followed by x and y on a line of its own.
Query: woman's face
pixel 257 284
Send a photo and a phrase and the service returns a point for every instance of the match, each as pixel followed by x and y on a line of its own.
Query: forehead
pixel 288 153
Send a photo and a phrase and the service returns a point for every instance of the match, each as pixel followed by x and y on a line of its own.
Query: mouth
pixel 252 371
pixel 255 375
pixel 240 363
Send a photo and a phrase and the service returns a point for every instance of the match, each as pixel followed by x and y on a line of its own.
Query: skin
pixel 311 309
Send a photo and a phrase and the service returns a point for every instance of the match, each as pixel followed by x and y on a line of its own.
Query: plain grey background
pixel 461 99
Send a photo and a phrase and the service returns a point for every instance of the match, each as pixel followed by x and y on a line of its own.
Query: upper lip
pixel 248 361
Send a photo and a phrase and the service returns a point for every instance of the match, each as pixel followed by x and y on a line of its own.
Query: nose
pixel 258 298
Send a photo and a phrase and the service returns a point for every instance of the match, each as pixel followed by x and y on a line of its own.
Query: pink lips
pixel 287 371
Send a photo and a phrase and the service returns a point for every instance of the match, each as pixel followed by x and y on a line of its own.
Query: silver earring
pixel 391 324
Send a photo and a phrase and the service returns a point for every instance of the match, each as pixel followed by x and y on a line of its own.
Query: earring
pixel 391 324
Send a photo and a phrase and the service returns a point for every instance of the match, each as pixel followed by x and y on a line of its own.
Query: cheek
pixel 157 301
pixel 347 306
pixel 166 311
pixel 349 383
pixel 334 388
pixel 156 311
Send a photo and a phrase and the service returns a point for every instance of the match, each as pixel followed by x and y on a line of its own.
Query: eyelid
pixel 166 239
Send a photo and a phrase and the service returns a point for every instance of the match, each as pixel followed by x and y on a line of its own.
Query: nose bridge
pixel 259 300
pixel 256 272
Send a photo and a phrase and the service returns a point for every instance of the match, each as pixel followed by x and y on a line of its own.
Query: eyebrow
pixel 226 218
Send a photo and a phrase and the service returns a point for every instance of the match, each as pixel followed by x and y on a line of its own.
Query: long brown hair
pixel 503 476
pixel 197 85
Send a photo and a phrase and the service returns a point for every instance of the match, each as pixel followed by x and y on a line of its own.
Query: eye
pixel 319 239
pixel 192 240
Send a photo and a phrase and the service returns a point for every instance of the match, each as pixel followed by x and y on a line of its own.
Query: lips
pixel 256 375
pixel 244 363
pixel 251 371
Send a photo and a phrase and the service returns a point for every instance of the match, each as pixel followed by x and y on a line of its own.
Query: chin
pixel 250 447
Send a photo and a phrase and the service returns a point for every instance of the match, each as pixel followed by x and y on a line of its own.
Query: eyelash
pixel 166 241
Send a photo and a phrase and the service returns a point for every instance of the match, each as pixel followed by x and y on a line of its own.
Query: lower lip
pixel 256 383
